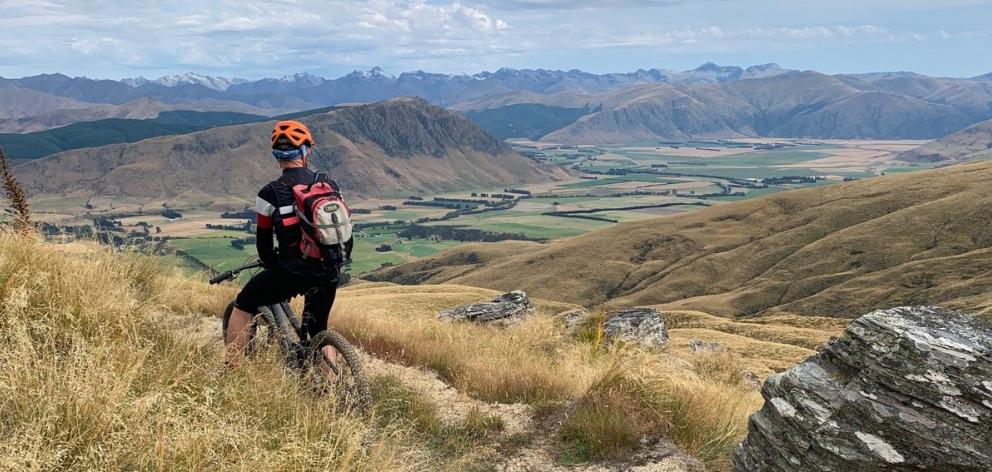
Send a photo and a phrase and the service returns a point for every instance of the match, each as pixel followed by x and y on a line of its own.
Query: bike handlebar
pixel 234 272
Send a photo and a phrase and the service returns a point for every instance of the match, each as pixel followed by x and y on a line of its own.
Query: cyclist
pixel 287 272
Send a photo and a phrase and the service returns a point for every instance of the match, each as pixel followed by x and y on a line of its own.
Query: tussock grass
pixel 610 419
pixel 702 406
pixel 106 363
pixel 531 362
pixel 706 406
pixel 618 394
pixel 93 378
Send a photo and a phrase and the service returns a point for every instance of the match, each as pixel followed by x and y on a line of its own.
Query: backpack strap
pixel 284 220
pixel 316 178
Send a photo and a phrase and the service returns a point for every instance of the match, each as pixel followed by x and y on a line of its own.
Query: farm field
pixel 609 185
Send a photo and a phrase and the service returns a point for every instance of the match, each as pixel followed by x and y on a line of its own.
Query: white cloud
pixel 256 38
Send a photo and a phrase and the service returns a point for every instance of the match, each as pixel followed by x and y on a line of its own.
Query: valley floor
pixel 608 185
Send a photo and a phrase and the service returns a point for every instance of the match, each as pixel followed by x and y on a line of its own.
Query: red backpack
pixel 324 219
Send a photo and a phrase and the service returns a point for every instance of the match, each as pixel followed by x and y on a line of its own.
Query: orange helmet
pixel 291 133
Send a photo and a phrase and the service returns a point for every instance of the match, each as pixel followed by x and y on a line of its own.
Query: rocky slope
pixel 389 148
pixel 903 389
pixel 836 250
pixel 971 143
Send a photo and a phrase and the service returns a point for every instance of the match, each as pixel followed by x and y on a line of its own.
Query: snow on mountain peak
pixel 189 78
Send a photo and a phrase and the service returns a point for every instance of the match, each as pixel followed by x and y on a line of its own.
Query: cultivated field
pixel 609 185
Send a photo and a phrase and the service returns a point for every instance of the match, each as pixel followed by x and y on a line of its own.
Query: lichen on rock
pixel 901 389
pixel 643 326
pixel 507 308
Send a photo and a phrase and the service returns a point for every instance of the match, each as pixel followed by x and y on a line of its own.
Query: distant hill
pixel 794 104
pixel 839 250
pixel 138 109
pixel 17 102
pixel 115 130
pixel 390 148
pixel 526 120
pixel 972 143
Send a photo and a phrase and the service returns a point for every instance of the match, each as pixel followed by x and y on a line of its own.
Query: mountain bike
pixel 327 361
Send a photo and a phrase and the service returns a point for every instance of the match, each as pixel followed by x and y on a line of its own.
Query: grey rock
pixel 903 389
pixel 507 308
pixel 643 326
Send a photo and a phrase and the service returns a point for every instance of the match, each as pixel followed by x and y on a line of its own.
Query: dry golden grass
pixel 530 362
pixel 92 377
pixel 620 393
pixel 762 345
pixel 105 364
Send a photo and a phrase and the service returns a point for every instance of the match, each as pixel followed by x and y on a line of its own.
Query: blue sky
pixel 254 39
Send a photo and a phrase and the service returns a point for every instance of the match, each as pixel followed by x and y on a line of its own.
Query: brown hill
pixel 969 144
pixel 390 148
pixel 795 104
pixel 17 102
pixel 839 250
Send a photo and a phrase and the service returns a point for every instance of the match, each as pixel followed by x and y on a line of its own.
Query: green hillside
pixel 116 130
pixel 525 120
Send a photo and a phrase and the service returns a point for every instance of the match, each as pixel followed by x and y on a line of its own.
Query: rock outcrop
pixel 643 326
pixel 507 308
pixel 902 389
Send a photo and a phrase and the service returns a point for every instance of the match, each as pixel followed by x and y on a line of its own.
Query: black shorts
pixel 274 285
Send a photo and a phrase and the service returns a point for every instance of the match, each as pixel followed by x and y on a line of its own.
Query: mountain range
pixel 393 148
pixel 311 91
pixel 794 104
pixel 616 108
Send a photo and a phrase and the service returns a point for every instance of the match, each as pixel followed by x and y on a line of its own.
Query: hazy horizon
pixel 255 39
pixel 396 73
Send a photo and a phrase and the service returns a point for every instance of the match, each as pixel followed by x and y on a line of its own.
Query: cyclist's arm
pixel 264 232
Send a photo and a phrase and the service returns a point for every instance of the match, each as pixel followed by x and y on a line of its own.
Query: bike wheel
pixel 337 367
pixel 256 339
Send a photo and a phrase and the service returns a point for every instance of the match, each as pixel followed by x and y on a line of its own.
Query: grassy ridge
pixel 109 363
pixel 839 250
pixel 613 395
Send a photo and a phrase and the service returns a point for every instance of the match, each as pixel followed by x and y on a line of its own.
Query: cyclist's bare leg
pixel 320 300
pixel 237 337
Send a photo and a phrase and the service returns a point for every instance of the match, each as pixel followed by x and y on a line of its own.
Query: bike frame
pixel 282 322
pixel 279 317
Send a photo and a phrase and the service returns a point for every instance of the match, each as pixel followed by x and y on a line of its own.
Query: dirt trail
pixel 539 452
pixel 537 455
